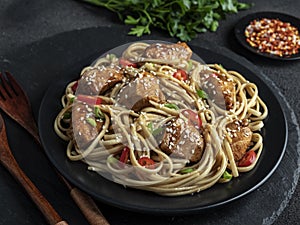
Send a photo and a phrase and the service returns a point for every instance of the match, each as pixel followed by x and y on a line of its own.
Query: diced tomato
pixel 124 62
pixel 180 75
pixel 247 159
pixel 146 162
pixel 74 86
pixel 193 117
pixel 125 155
pixel 90 100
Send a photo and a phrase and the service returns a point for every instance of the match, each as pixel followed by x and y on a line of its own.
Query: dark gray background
pixel 24 22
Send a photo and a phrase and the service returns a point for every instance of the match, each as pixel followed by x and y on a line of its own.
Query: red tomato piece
pixel 90 100
pixel 125 155
pixel 146 162
pixel 124 62
pixel 193 117
pixel 180 75
pixel 247 159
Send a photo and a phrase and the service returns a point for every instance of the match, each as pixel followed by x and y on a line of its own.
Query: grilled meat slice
pixel 137 94
pixel 84 129
pixel 179 50
pixel 97 80
pixel 219 88
pixel 241 136
pixel 183 140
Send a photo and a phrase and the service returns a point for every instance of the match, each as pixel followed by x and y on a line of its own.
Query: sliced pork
pixel 85 126
pixel 183 140
pixel 137 93
pixel 219 88
pixel 168 51
pixel 241 136
pixel 97 80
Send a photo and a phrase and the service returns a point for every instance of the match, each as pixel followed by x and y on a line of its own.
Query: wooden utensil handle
pixel 85 203
pixel 44 206
pixel 88 207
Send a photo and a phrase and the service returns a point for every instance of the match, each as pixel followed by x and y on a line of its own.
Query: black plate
pixel 245 21
pixel 274 133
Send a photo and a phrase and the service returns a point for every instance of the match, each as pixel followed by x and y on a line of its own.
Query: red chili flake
pixel 273 36
pixel 125 155
pixel 180 75
pixel 146 162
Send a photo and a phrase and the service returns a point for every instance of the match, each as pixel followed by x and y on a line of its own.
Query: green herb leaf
pixel 202 94
pixel 214 25
pixel 139 31
pixel 130 20
pixel 181 18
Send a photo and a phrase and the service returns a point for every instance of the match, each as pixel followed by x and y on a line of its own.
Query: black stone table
pixel 37 38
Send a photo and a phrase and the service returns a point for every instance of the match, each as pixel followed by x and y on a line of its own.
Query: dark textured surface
pixel 23 24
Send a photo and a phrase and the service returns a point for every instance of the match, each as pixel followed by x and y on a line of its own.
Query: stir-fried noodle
pixel 162 123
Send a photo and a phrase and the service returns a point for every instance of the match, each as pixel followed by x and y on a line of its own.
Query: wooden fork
pixel 14 101
pixel 8 161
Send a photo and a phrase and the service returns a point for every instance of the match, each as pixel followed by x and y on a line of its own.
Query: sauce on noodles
pixel 156 119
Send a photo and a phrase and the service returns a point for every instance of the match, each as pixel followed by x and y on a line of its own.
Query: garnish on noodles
pixel 156 119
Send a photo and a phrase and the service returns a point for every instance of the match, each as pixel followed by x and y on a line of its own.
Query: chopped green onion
pixel 71 98
pixel 171 106
pixel 226 175
pixel 153 131
pixel 190 65
pixel 202 94
pixel 67 115
pixel 112 160
pixel 91 121
pixel 98 113
pixel 111 56
pixel 150 127
pixel 186 170
pixel 157 131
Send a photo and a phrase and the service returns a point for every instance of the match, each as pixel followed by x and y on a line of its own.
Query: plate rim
pixel 173 210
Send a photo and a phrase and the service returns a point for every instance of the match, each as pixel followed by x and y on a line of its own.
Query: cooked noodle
pixel 122 127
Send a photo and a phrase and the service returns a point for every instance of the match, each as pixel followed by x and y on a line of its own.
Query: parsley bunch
pixel 180 18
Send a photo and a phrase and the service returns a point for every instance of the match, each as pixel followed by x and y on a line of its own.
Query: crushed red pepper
pixel 273 36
